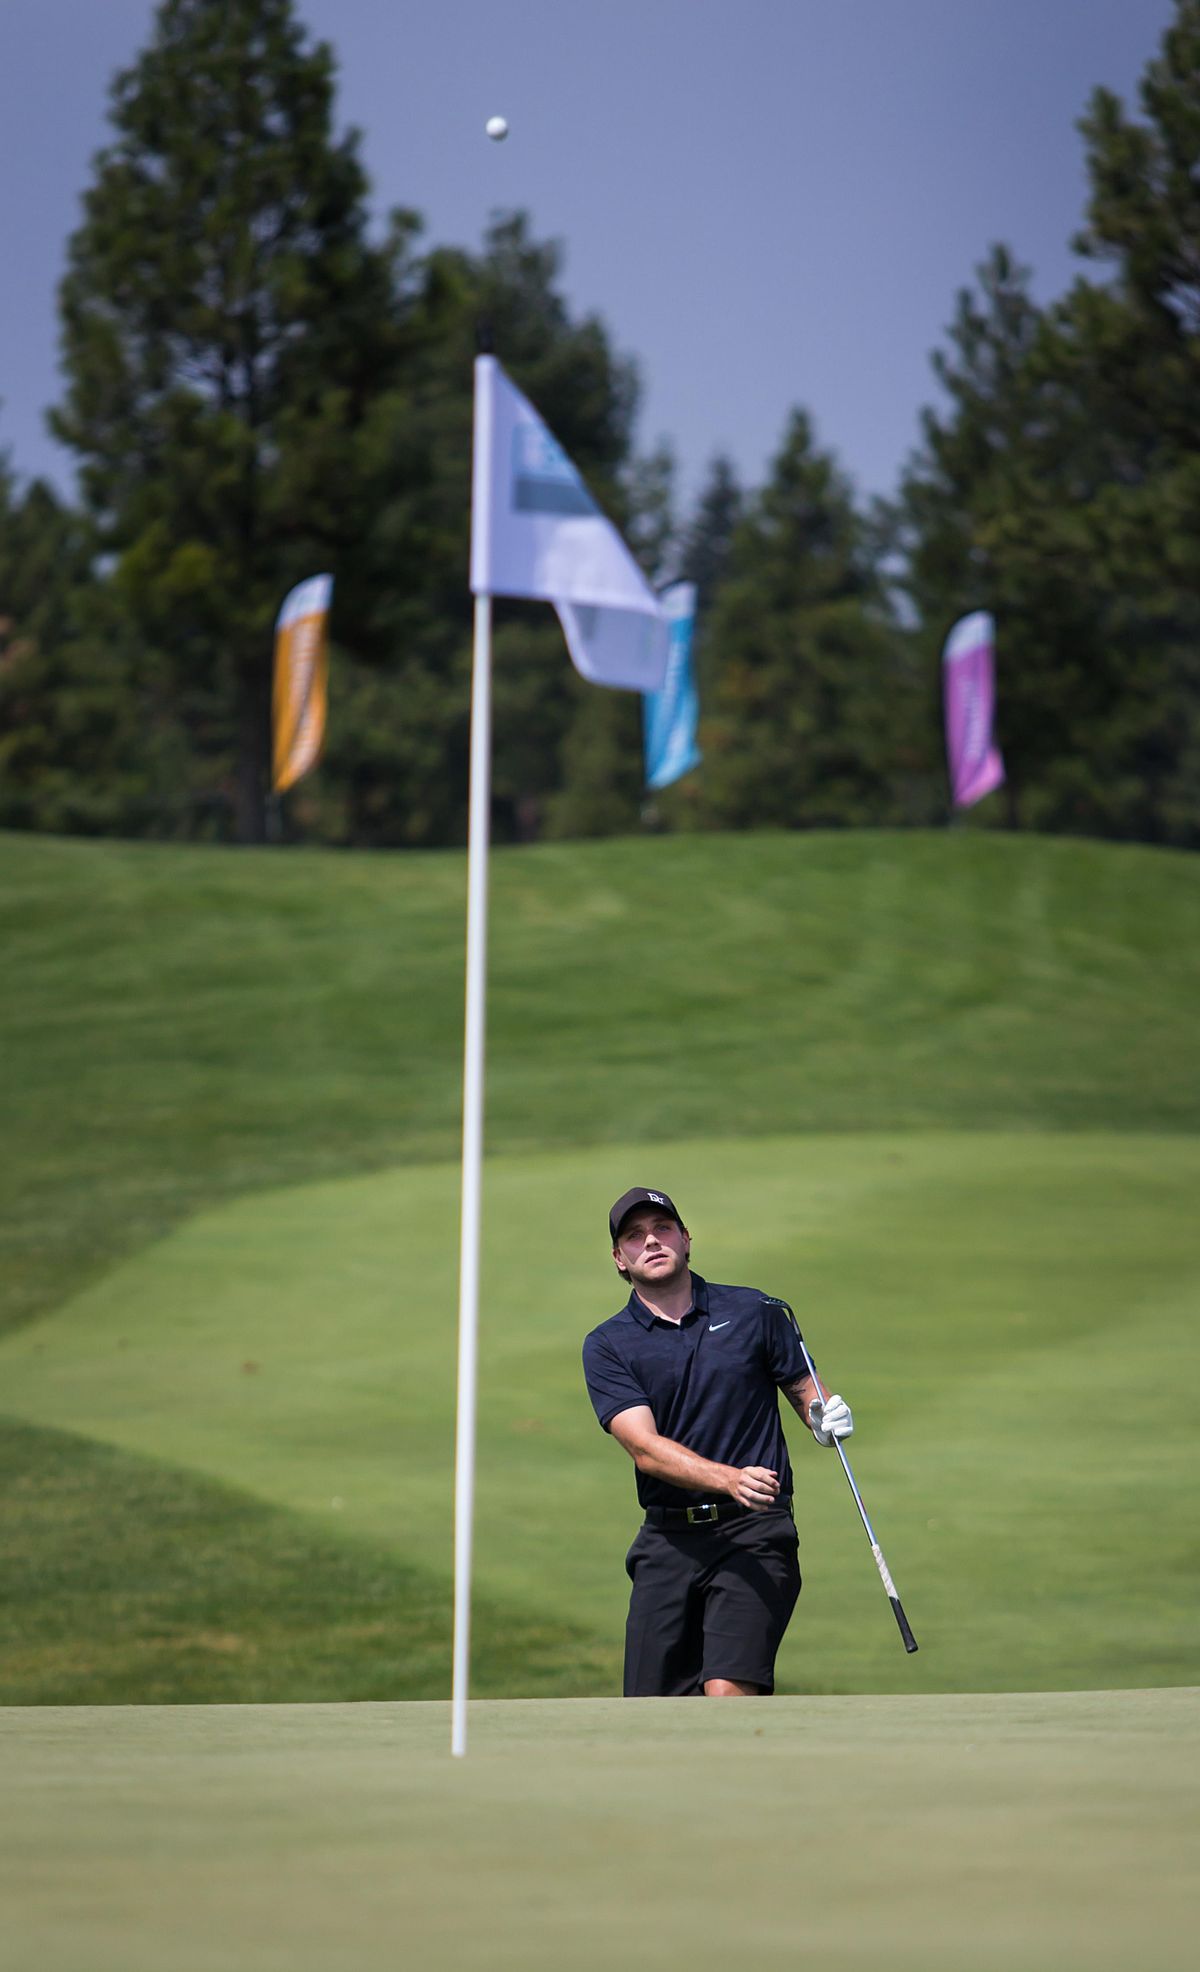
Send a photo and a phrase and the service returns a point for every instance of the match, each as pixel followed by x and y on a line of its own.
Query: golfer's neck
pixel 670 1303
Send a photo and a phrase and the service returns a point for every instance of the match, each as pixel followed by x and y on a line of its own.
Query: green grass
pixel 1052 1832
pixel 996 1307
pixel 197 1593
pixel 186 1025
pixel 943 1091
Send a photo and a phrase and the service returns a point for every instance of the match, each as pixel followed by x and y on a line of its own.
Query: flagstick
pixel 472 1160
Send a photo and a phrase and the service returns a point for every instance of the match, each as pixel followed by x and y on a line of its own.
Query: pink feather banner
pixel 969 696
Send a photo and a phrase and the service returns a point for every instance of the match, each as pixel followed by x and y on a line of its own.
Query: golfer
pixel 686 1377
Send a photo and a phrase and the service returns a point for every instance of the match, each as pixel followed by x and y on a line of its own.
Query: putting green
pixel 996 1307
pixel 1047 1831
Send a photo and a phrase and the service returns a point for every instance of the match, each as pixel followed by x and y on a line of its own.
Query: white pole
pixel 472 1159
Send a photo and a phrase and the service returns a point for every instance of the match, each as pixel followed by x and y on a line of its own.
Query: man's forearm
pixel 751 1486
pixel 662 1458
pixel 800 1395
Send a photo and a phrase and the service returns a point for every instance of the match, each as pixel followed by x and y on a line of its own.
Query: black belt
pixel 707 1512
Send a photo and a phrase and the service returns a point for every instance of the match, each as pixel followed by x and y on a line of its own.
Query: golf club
pixel 910 1641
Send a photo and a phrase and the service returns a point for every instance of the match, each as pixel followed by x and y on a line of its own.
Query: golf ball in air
pixel 497 129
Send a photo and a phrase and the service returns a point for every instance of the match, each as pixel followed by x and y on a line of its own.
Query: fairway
pixel 1050 1832
pixel 983 1299
pixel 184 1025
pixel 941 1091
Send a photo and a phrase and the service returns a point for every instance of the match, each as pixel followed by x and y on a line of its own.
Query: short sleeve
pixel 612 1386
pixel 785 1357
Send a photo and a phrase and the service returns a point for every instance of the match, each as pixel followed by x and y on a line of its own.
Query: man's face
pixel 652 1247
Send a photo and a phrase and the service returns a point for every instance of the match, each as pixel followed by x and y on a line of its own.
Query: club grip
pixel 910 1641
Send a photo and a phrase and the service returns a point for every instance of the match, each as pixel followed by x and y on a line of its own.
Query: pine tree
pixel 83 744
pixel 708 536
pixel 396 766
pixel 796 731
pixel 1136 343
pixel 978 507
pixel 1061 488
pixel 225 320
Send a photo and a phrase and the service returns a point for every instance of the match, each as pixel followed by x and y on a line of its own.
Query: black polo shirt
pixel 711 1380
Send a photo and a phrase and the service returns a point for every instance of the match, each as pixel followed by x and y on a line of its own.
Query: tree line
pixel 258 385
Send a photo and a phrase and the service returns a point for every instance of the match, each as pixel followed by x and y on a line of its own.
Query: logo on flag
pixel 968 688
pixel 537 532
pixel 544 481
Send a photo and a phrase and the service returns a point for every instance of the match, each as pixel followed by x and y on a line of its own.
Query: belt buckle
pixel 699 1515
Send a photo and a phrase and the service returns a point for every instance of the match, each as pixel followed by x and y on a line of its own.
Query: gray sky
pixel 770 202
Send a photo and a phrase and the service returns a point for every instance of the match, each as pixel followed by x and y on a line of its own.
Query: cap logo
pixel 657 1197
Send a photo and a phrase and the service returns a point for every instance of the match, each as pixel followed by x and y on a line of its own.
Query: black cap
pixel 638 1196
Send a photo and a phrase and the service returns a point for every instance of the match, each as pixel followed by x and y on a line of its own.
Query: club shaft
pixel 902 1623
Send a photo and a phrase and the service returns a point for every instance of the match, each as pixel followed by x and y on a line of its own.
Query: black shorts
pixel 709 1602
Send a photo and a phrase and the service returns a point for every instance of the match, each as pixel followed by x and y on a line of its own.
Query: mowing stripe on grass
pixel 988 1304
pixel 183 1025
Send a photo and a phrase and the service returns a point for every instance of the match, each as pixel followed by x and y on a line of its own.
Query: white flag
pixel 536 531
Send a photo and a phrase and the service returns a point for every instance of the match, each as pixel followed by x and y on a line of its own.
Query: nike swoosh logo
pixel 714 1326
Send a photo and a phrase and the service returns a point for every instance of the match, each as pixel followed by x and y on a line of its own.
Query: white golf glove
pixel 830 1419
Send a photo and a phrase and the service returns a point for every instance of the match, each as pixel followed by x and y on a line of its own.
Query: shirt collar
pixel 641 1313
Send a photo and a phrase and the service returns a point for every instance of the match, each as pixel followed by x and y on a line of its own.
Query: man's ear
pixel 617 1263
